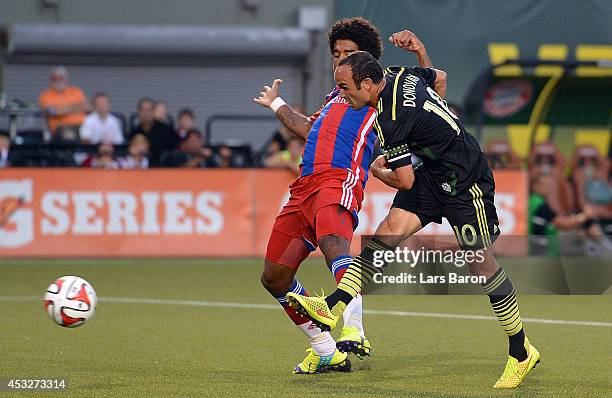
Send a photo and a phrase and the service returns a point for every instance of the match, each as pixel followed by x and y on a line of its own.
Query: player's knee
pixel 274 283
pixel 400 224
pixel 333 246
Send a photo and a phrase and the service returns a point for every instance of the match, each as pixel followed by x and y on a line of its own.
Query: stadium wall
pixel 178 213
pixel 188 12
pixel 313 82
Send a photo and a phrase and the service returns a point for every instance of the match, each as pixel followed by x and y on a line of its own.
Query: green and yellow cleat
pixel 351 341
pixel 317 310
pixel 515 371
pixel 313 363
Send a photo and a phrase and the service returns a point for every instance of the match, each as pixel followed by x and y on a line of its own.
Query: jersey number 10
pixel 441 110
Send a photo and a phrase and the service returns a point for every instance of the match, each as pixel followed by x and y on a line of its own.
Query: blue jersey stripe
pixel 311 144
pixel 348 131
pixel 346 136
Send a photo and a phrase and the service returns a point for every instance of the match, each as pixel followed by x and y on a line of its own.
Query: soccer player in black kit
pixel 455 182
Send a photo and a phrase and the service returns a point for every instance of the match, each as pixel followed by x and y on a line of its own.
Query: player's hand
pixel 269 94
pixel 407 40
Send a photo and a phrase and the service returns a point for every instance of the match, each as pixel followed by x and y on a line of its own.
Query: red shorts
pixel 325 203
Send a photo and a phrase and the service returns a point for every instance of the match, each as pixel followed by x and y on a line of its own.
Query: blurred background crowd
pixel 72 130
pixel 537 99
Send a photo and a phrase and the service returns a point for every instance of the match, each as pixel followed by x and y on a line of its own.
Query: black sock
pixel 517 346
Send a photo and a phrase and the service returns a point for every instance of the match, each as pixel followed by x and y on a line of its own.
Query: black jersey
pixel 412 118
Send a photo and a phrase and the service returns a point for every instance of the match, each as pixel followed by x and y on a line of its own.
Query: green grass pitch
pixel 169 350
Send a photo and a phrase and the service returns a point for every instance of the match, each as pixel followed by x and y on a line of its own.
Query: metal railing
pixel 227 117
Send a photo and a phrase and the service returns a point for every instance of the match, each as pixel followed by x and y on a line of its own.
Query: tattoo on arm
pixel 296 123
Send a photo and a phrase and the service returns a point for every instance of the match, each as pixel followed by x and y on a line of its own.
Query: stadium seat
pixel 501 155
pixel 545 158
pixel 30 137
pixel 598 138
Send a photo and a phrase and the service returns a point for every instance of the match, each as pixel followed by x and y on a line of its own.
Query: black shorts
pixel 471 213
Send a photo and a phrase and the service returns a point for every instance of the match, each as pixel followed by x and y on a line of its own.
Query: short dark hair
pixel 98 94
pixel 191 132
pixel 145 99
pixel 359 30
pixel 186 112
pixel 363 66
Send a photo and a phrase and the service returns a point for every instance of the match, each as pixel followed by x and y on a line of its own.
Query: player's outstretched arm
pixel 297 123
pixel 400 178
pixel 408 41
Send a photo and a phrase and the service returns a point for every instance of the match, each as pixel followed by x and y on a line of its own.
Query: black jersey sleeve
pixel 398 116
pixel 428 74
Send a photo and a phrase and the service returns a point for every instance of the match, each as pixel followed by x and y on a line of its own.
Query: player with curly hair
pixel 326 197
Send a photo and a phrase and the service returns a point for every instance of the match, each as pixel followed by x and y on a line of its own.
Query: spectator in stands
pixel 224 158
pixel 100 125
pixel 290 159
pixel 104 159
pixel 138 150
pixel 544 221
pixel 5 147
pixel 186 121
pixel 590 175
pixel 161 137
pixel 190 153
pixel 279 140
pixel 160 113
pixel 65 105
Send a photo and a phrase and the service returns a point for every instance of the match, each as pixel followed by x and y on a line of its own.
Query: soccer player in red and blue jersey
pixel 326 197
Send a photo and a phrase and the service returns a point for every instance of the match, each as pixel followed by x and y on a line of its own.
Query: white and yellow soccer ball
pixel 70 301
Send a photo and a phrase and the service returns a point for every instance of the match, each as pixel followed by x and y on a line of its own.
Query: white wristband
pixel 277 103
